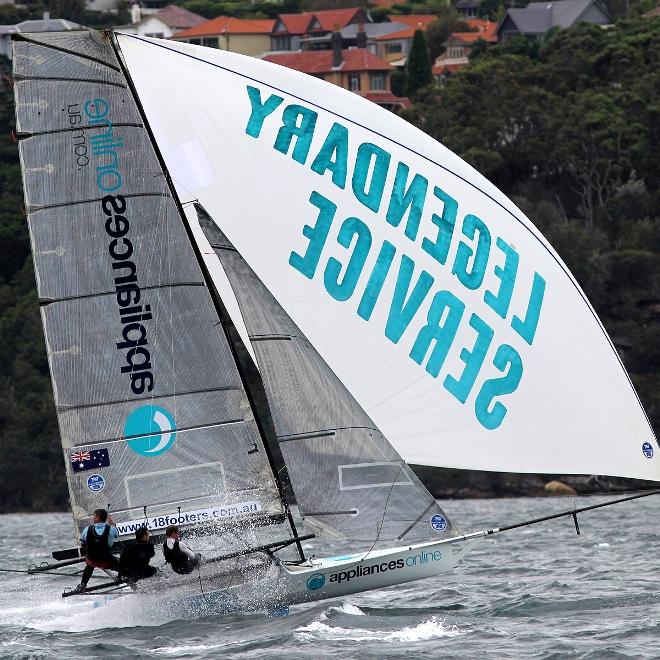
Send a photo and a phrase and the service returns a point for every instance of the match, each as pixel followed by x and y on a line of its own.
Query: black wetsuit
pixel 179 561
pixel 134 561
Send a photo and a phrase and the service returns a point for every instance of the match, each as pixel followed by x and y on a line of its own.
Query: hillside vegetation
pixel 568 127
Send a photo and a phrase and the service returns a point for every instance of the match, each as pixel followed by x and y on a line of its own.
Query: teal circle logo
pixel 315 581
pixel 150 430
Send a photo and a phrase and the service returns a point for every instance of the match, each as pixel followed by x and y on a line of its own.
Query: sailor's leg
pixel 86 574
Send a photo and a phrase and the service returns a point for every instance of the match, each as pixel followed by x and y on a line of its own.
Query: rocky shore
pixel 446 483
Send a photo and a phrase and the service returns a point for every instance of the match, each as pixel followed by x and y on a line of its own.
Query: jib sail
pixel 347 478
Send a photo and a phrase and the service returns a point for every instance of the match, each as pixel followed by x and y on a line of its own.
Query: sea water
pixel 536 592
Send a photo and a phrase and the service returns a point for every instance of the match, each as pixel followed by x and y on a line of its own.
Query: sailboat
pixel 262 295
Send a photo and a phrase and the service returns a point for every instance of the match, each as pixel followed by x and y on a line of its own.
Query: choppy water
pixel 539 592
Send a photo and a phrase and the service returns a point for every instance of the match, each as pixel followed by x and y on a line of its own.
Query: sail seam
pixel 20 37
pixel 271 337
pixel 350 512
pixel 21 78
pixel 44 302
pixel 33 208
pixel 182 429
pixel 185 501
pixel 25 136
pixel 421 515
pixel 100 404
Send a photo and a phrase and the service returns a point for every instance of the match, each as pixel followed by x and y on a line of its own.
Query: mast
pixel 264 425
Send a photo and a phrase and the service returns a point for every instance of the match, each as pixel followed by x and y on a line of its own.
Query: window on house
pixel 281 43
pixel 354 82
pixel 396 47
pixel 195 42
pixel 377 81
pixel 211 42
pixel 156 35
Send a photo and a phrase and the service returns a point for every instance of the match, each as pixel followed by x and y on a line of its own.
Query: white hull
pixel 319 579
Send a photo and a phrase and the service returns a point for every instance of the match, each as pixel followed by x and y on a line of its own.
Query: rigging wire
pixel 382 520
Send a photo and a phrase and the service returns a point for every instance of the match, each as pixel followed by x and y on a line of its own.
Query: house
pixel 238 35
pixel 352 37
pixel 468 8
pixel 45 24
pixel 459 45
pixel 290 29
pixel 163 23
pixel 394 46
pixel 355 69
pixel 538 17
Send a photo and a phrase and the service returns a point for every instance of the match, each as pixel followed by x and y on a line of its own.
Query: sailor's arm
pixel 112 536
pixel 186 550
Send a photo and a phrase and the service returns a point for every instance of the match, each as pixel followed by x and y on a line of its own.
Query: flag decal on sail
pixel 150 430
pixel 89 460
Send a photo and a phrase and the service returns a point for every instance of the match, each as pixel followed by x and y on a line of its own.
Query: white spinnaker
pixel 573 410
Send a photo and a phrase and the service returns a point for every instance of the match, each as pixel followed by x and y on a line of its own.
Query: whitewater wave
pixel 430 629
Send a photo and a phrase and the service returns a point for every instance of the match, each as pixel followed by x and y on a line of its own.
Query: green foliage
pixel 398 82
pixel 241 8
pixel 448 21
pixel 30 451
pixel 569 127
pixel 418 67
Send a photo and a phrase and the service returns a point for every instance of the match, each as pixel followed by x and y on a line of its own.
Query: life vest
pixel 96 545
pixel 176 558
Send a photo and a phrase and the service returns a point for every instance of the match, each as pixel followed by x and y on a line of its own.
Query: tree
pixel 448 21
pixel 418 67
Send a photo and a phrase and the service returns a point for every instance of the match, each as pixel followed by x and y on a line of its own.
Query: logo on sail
pixel 315 581
pixel 647 450
pixel 150 430
pixel 439 523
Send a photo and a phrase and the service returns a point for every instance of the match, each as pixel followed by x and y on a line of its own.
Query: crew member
pixel 96 541
pixel 134 559
pixel 177 554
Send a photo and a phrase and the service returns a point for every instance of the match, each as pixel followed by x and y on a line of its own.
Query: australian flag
pixel 89 460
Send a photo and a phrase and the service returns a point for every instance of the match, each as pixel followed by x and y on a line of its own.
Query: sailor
pixel 180 557
pixel 134 559
pixel 96 541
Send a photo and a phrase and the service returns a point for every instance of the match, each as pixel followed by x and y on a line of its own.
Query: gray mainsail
pixel 154 419
pixel 348 480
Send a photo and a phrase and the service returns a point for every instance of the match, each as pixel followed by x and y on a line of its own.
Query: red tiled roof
pixel 320 61
pixel 294 23
pixel 177 17
pixel 300 23
pixel 386 98
pixel 228 24
pixel 440 69
pixel 482 25
pixel 331 17
pixel 471 37
pixel 414 21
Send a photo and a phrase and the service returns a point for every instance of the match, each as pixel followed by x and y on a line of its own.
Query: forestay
pixel 154 420
pixel 439 306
